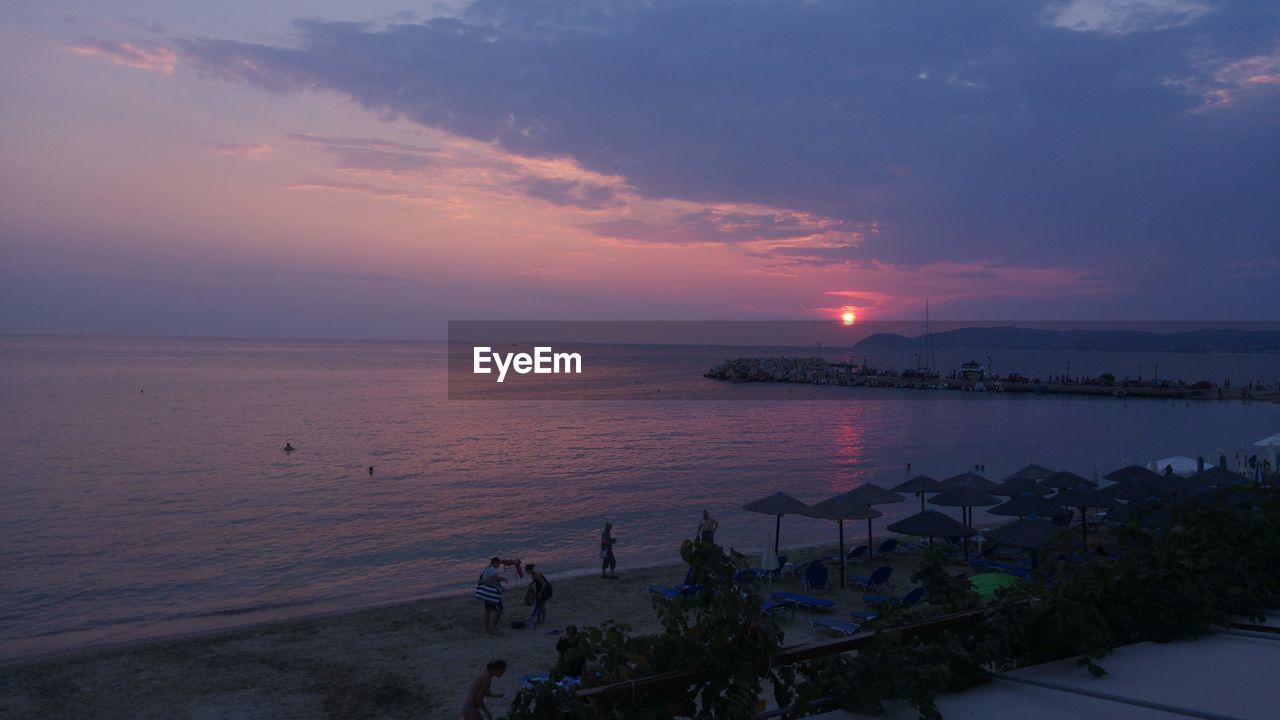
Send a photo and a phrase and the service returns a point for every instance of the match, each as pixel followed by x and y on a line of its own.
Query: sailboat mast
pixel 928 339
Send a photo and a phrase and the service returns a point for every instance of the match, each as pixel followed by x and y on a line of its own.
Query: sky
pixel 374 169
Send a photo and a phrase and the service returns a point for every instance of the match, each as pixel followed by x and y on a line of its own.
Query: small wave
pixel 245 610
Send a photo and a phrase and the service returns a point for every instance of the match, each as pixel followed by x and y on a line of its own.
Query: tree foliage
pixel 1178 570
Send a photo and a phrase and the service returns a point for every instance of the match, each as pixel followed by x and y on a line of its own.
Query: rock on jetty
pixel 812 370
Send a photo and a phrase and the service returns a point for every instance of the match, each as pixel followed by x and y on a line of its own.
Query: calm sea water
pixel 144 490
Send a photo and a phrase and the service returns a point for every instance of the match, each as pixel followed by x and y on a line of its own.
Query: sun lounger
pixel 864 616
pixel 888 546
pixel 877 580
pixel 674 591
pixel 808 602
pixel 567 682
pixel 778 608
pixel 855 555
pixel 815 577
pixel 907 600
pixel 839 626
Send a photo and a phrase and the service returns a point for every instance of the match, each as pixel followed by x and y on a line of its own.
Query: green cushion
pixel 987 583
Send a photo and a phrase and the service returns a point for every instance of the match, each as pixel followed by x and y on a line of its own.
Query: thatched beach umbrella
pixel 1132 490
pixel 931 524
pixel 1018 486
pixel 1029 533
pixel 778 504
pixel 970 480
pixel 964 497
pixel 1029 504
pixel 1155 513
pixel 840 509
pixel 1064 479
pixel 870 494
pixel 1181 485
pixel 1218 475
pixel 1132 472
pixel 1130 510
pixel 919 485
pixel 1083 497
pixel 1031 472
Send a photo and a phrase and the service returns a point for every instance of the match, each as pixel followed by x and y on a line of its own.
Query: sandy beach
pixel 412 660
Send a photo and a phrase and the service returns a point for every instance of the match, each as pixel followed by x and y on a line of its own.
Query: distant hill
pixel 1013 338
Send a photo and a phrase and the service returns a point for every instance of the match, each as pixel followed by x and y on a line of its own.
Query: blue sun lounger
pixel 674 591
pixel 778 608
pixel 911 598
pixel 568 683
pixel 839 626
pixel 877 580
pixel 808 602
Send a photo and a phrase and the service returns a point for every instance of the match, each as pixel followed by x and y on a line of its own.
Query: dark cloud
pixel 573 193
pixel 1066 132
pixel 726 227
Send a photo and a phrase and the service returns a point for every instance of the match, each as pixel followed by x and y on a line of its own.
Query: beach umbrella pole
pixel 841 554
pixel 968 521
pixel 921 496
pixel 869 555
pixel 777 533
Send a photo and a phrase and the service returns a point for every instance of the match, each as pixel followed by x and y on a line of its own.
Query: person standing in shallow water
pixel 473 708
pixel 608 563
pixel 707 528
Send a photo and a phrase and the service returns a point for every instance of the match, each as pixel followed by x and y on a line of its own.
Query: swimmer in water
pixel 288 447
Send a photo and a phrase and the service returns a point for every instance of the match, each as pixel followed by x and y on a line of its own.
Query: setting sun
pixel 848 317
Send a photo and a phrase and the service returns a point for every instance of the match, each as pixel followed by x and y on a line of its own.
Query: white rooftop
pixel 1231 674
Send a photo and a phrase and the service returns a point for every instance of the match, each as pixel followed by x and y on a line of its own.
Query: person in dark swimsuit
pixel 541 593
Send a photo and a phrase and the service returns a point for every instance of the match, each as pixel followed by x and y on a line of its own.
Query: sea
pixel 145 492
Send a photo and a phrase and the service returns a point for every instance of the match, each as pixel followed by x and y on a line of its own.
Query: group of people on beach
pixel 490 586
pixel 489 589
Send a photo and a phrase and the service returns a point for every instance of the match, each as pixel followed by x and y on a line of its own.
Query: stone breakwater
pixel 817 371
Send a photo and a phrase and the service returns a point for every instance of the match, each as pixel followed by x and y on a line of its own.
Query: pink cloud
pixel 255 151
pixel 1221 83
pixel 374 191
pixel 156 58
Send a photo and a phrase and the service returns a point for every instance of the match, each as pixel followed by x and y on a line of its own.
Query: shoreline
pixel 283 618
pixel 133 643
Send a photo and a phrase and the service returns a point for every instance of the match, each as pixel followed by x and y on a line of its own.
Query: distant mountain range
pixel 1013 338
